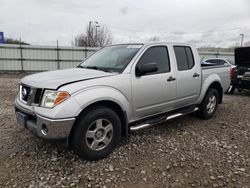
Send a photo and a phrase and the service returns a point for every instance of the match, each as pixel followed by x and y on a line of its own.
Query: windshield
pixel 111 58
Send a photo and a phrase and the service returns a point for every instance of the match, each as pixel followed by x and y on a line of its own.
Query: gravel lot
pixel 185 152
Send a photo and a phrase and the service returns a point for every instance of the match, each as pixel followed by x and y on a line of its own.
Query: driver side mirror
pixel 146 68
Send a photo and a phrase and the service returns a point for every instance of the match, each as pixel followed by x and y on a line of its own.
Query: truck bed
pixel 222 70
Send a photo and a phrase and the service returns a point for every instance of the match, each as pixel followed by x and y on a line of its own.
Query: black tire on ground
pixel 231 90
pixel 86 133
pixel 205 112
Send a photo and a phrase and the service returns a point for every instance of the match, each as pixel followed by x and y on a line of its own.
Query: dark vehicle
pixel 241 73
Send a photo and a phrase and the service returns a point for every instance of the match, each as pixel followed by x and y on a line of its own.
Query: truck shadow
pixel 242 93
pixel 166 129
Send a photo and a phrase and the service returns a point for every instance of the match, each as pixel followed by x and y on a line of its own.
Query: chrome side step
pixel 137 127
pixel 141 126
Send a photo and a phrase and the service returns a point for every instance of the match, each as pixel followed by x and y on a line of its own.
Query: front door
pixel 154 92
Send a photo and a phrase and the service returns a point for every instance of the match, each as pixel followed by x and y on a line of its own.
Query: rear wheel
pixel 209 104
pixel 97 133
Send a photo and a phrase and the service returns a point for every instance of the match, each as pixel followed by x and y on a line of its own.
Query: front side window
pixel 184 57
pixel 158 55
pixel 111 58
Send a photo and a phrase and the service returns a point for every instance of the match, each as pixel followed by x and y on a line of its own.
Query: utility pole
pixel 21 54
pixel 242 38
pixel 90 32
pixel 57 54
pixel 88 36
pixel 96 35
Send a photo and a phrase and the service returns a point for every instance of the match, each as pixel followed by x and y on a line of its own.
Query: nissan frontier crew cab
pixel 120 88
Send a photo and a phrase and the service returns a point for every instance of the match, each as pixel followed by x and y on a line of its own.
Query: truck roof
pixel 152 43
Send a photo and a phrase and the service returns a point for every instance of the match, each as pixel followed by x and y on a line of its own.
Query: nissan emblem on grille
pixel 25 93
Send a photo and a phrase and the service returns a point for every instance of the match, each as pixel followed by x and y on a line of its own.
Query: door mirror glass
pixel 146 68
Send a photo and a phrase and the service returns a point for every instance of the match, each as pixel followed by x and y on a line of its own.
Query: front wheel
pixel 96 134
pixel 209 104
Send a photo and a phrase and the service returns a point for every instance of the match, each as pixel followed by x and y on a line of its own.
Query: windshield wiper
pixel 88 67
pixel 94 68
pixel 79 66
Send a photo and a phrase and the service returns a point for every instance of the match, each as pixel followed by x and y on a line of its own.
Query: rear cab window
pixel 184 57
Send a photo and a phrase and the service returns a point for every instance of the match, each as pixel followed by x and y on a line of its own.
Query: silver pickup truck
pixel 120 88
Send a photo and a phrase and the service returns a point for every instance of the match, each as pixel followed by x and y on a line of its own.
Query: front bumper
pixel 44 127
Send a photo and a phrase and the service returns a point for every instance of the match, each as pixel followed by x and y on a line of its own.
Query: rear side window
pixel 158 55
pixel 184 57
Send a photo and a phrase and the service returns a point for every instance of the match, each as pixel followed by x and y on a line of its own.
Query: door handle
pixel 196 75
pixel 171 79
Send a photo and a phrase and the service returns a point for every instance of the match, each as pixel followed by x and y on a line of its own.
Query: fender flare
pixel 211 79
pixel 96 94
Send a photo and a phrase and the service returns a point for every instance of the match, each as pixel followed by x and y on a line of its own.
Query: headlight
pixel 51 98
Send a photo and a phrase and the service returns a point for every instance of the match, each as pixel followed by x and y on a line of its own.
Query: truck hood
pixel 55 79
pixel 242 56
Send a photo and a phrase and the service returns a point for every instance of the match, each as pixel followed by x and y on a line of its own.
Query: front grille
pixel 30 95
pixel 38 96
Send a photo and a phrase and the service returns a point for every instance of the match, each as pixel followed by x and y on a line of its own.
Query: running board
pixel 141 126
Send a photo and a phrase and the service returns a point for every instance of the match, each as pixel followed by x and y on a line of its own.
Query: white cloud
pixel 203 22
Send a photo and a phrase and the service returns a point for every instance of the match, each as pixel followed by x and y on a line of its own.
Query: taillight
pixel 231 72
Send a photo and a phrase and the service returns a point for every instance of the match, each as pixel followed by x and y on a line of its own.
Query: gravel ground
pixel 185 152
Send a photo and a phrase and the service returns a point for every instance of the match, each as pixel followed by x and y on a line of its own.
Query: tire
pixel 97 133
pixel 212 97
pixel 231 90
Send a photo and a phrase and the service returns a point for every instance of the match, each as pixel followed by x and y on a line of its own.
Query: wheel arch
pixel 212 81
pixel 216 85
pixel 109 104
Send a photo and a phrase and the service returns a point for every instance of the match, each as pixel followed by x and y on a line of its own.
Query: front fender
pixel 67 109
pixel 95 94
pixel 206 83
pixel 78 101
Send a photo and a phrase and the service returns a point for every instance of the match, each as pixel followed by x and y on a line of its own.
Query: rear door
pixel 155 92
pixel 188 76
